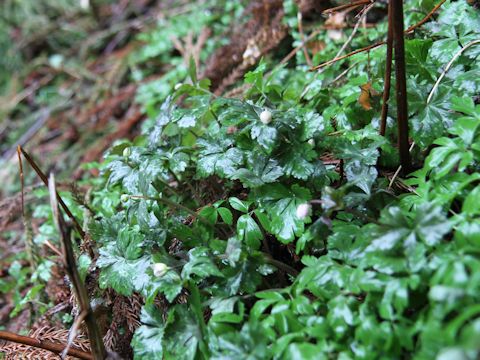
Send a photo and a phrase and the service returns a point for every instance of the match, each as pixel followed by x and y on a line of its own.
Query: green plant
pixel 271 226
pixel 214 213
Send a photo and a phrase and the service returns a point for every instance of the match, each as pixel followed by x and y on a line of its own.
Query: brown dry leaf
pixel 334 24
pixel 366 95
pixel 336 20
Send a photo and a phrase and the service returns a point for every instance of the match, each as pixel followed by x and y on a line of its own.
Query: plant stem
pixel 401 82
pixel 196 306
pixel 173 204
pixel 44 178
pixel 388 72
pixel 282 266
pixel 69 262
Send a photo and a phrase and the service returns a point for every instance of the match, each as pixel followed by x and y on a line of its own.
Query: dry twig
pixel 355 29
pixel 43 177
pixel 349 6
pixel 380 43
pixel 94 335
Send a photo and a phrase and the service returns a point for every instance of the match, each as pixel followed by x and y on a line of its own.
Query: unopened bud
pixel 266 117
pixel 124 198
pixel 159 269
pixel 303 210
pixel 127 152
pixel 231 130
pixel 178 86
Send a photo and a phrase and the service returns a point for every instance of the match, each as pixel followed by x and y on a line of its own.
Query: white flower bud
pixel 178 86
pixel 311 142
pixel 159 269
pixel 85 4
pixel 127 152
pixel 266 117
pixel 124 198
pixel 303 210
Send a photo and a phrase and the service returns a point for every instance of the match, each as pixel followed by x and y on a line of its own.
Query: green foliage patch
pixel 232 212
pixel 229 205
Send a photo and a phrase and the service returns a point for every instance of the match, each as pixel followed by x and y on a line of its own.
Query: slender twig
pixel 401 84
pixel 282 266
pixel 449 65
pixel 349 6
pixel 52 247
pixel 72 334
pixel 22 179
pixel 343 73
pixel 363 14
pixel 302 37
pixel 388 73
pixel 26 216
pixel 277 263
pixel 299 47
pixel 355 29
pixel 172 204
pixel 426 18
pixel 334 60
pixel 380 43
pixel 397 172
pixel 43 177
pixel 94 334
pixel 41 344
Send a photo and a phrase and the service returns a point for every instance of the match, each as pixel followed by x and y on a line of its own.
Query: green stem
pixel 282 266
pixel 196 306
pixel 173 204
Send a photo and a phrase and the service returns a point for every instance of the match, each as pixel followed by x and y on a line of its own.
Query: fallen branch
pixel 46 345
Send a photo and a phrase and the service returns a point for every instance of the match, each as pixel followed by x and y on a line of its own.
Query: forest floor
pixel 81 79
pixel 66 97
